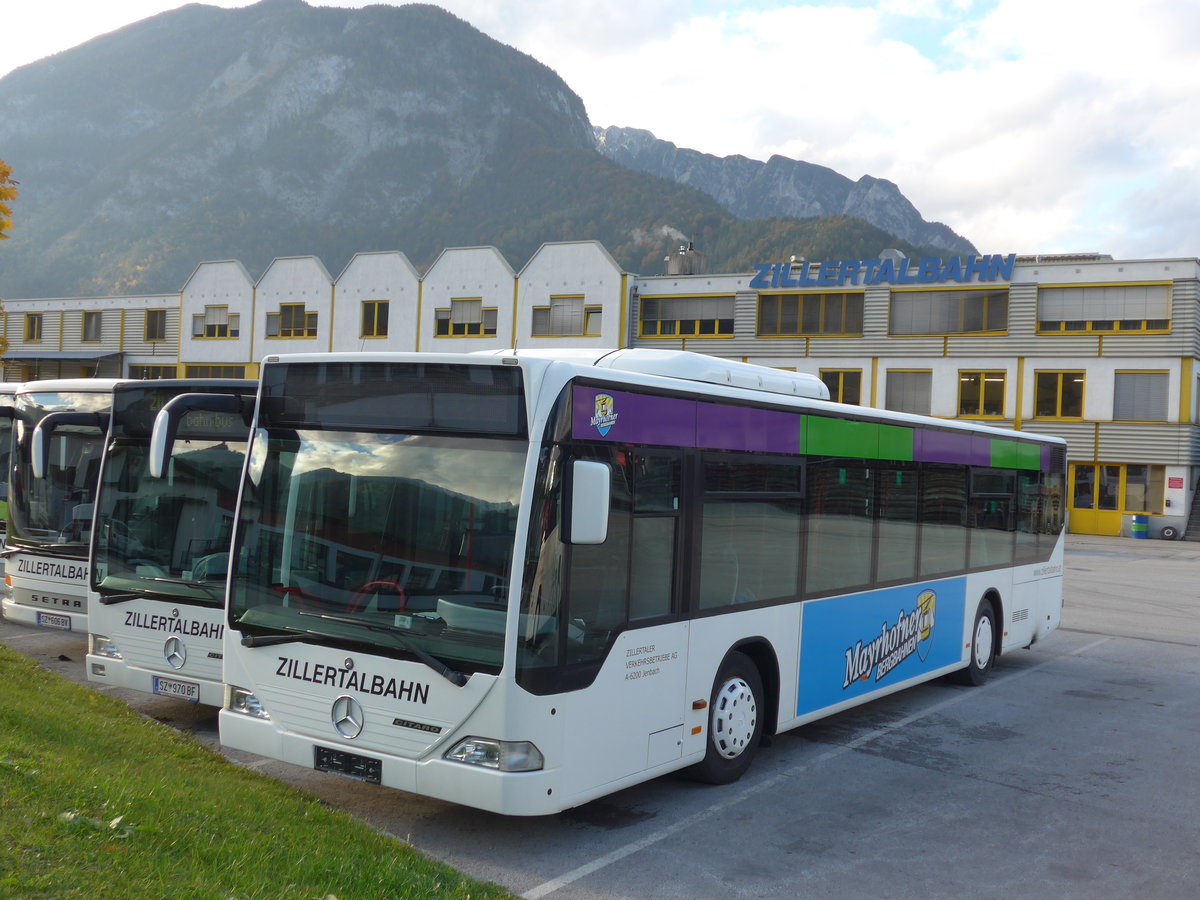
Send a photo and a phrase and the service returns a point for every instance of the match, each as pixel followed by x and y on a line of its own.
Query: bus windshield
pixel 168 535
pixel 6 426
pixel 56 510
pixel 401 543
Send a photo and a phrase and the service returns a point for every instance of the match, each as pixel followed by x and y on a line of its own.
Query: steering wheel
pixel 363 595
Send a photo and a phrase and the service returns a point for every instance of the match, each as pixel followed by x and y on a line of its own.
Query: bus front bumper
pixel 510 793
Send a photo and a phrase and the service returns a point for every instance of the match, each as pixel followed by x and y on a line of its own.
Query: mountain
pixel 282 129
pixel 779 187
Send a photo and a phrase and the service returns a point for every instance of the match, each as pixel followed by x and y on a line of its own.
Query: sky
pixel 1027 126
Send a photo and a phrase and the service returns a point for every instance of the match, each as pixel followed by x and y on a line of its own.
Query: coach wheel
pixel 734 723
pixel 983 646
pixel 1169 533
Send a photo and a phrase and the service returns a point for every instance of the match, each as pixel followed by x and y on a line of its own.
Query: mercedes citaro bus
pixel 524 580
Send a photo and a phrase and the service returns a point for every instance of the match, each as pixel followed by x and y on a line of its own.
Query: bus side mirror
pixel 166 423
pixel 39 443
pixel 589 495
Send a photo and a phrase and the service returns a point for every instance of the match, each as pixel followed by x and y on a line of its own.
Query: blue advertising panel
pixel 852 646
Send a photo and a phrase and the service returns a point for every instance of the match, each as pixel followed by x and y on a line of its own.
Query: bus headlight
pixel 506 756
pixel 240 700
pixel 100 645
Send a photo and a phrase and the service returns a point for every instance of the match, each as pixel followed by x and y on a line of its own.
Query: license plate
pixel 180 690
pixel 339 762
pixel 50 620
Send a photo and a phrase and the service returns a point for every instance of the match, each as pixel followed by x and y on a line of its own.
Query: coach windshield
pixel 398 541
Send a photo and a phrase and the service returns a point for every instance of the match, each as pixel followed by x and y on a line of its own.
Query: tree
pixel 8 193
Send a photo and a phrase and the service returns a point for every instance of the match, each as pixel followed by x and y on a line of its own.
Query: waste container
pixel 1138 526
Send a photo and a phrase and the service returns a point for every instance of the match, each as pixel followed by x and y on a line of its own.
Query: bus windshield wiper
pixel 453 676
pixel 283 637
pixel 204 588
pixel 109 599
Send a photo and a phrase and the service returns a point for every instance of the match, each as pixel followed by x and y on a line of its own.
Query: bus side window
pixel 750 529
pixel 943 517
pixel 656 491
pixel 840 525
pixel 598 579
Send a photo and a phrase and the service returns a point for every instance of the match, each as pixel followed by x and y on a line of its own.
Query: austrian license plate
pixel 50 620
pixel 339 762
pixel 180 690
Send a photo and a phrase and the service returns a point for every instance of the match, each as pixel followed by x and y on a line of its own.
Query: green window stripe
pixel 1029 456
pixel 895 443
pixel 1016 455
pixel 1004 453
pixel 857 440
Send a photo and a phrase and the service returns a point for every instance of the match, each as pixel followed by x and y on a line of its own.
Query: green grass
pixel 99 802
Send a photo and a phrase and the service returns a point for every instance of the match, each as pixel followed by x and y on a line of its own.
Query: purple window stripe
pixel 644 419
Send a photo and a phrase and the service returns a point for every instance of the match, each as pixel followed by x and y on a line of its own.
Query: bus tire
pixel 735 722
pixel 983 646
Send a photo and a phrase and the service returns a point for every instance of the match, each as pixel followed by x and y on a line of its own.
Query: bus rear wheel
pixel 983 646
pixel 735 722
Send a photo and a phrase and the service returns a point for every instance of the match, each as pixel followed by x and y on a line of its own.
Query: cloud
pixel 1025 125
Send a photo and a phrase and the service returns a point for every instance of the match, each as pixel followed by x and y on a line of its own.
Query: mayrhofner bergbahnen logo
pixel 605 416
pixel 912 632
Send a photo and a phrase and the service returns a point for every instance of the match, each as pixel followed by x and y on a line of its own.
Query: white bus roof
pixel 687 366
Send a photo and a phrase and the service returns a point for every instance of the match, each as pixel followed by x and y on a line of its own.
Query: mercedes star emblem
pixel 175 652
pixel 347 716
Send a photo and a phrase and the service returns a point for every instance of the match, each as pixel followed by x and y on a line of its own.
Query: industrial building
pixel 1101 352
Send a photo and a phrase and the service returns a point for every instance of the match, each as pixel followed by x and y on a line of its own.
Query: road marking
pixel 600 862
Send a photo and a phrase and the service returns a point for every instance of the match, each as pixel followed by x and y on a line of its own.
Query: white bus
pixel 522 581
pixel 59 430
pixel 8 391
pixel 160 549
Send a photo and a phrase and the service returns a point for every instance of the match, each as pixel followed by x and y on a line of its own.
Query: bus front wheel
pixel 983 646
pixel 735 722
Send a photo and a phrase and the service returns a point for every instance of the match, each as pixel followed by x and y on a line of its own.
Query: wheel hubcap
pixel 983 642
pixel 734 718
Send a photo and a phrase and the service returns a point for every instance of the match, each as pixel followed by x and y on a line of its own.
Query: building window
pixel 151 372
pixel 981 394
pixel 292 321
pixel 687 317
pixel 809 314
pixel 156 325
pixel 1110 487
pixel 216 322
pixel 1104 308
pixel 1140 396
pixel 92 327
pixel 374 319
pixel 949 312
pixel 909 391
pixel 566 316
pixel 1144 488
pixel 215 372
pixel 467 317
pixel 1058 395
pixel 845 385
pixel 33 327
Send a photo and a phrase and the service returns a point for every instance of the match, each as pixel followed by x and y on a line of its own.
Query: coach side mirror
pixel 588 493
pixel 39 442
pixel 166 423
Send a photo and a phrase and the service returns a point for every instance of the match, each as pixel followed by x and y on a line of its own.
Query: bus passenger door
pixel 624 615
